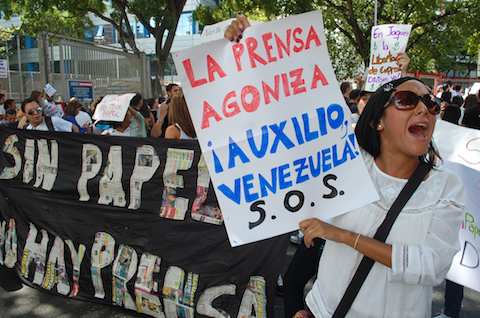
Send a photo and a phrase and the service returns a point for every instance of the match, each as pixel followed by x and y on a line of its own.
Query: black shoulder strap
pixel 381 235
pixel 49 123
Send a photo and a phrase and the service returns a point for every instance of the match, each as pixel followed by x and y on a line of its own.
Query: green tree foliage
pixel 70 17
pixel 441 30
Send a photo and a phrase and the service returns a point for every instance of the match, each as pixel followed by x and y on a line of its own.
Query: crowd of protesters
pixel 155 117
pixel 417 255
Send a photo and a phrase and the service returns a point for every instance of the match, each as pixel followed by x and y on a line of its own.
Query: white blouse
pixel 424 240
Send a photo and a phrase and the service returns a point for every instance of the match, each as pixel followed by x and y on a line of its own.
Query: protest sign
pixel 113 107
pixel 3 68
pixel 460 150
pixel 387 41
pixel 274 128
pixel 49 90
pixel 128 222
pixel 81 90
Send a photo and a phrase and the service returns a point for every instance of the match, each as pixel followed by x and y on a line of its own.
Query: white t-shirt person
pixel 423 238
pixel 58 124
pixel 83 118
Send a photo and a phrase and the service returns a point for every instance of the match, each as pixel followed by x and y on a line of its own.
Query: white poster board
pixel 387 41
pixel 3 68
pixel 460 150
pixel 49 90
pixel 274 128
pixel 113 107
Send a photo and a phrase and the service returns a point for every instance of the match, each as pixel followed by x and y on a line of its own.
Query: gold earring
pixel 379 127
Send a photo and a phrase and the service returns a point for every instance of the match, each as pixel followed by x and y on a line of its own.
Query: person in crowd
pixel 471 117
pixel 160 126
pixel 457 90
pixel 153 104
pixel 139 105
pixel 354 97
pixel 447 94
pixel 72 111
pixel 10 118
pixel 94 104
pixel 453 300
pixel 453 111
pixel 363 98
pixel 37 120
pixel 49 108
pixel 83 118
pixel 10 104
pixel 346 88
pixel 2 106
pixel 137 125
pixel 395 132
pixel 181 123
pixel 131 126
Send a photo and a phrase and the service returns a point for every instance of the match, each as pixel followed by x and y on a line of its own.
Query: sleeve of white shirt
pixel 61 125
pixel 427 264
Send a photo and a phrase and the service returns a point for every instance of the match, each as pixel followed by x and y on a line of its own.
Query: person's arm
pixel 376 250
pixel 172 132
pixel 162 116
pixel 403 61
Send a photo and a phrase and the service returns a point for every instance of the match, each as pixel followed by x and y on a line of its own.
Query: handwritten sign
pixel 460 150
pixel 274 128
pixel 387 41
pixel 49 90
pixel 113 107
pixel 3 68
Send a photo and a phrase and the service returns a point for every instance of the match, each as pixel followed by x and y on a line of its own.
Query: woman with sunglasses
pixel 395 133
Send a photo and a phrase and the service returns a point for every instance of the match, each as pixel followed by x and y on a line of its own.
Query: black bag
pixel 381 235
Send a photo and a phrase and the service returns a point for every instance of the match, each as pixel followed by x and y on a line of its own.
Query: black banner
pixel 130 222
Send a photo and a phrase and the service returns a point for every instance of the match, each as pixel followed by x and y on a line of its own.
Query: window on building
pixel 185 24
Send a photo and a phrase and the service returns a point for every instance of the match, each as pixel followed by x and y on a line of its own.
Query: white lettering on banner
pixel 56 272
pixel 111 182
pixel 9 147
pixel 36 253
pixel 178 294
pixel 11 245
pixel 8 242
pixel 102 256
pixel 261 109
pixel 179 289
pixel 77 258
pixel 204 304
pixel 387 41
pixel 47 164
pixel 29 160
pixel 146 163
pixel 91 164
pixel 146 288
pixel 173 206
pixel 123 270
pixel 460 150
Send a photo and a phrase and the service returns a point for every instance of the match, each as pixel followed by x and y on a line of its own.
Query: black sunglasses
pixel 407 100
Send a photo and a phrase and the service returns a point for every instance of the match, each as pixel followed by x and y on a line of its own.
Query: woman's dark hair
pixel 178 114
pixel 457 100
pixel 27 101
pixel 72 107
pixel 366 129
pixel 135 100
pixel 8 103
pixel 470 101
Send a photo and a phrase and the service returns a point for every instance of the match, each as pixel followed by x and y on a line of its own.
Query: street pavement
pixel 32 303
